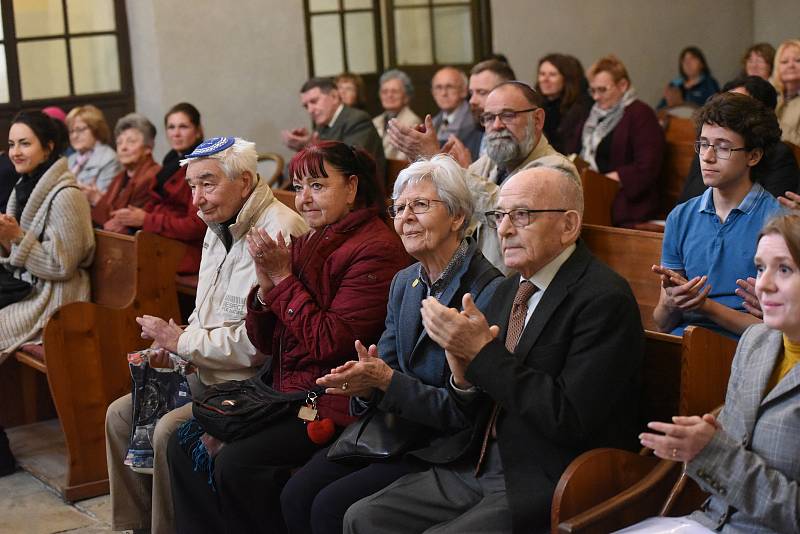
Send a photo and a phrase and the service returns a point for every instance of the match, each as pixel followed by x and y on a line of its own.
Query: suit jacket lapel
pixel 409 323
pixel 764 359
pixel 792 380
pixel 553 297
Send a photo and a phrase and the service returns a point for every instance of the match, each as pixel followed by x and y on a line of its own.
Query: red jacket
pixel 127 191
pixel 337 293
pixel 174 216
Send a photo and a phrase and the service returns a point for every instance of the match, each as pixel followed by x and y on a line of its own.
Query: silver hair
pixel 234 160
pixel 571 190
pixel 137 122
pixel 447 176
pixel 396 74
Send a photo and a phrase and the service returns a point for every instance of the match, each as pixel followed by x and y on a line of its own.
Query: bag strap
pixel 50 204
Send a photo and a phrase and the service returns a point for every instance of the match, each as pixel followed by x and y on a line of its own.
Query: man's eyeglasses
pixel 417 206
pixel 519 217
pixel 722 152
pixel 504 116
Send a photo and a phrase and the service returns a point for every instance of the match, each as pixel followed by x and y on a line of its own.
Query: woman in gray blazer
pixel 748 459
pixel 406 373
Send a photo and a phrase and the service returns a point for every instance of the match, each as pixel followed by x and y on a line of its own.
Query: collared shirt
pixel 335 116
pixel 698 243
pixel 438 286
pixel 543 278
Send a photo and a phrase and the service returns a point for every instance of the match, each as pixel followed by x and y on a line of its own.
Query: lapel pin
pixel 415 282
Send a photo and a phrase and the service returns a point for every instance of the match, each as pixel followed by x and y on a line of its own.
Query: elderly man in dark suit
pixel 556 375
pixel 333 121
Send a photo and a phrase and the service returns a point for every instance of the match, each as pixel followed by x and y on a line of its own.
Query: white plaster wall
pixel 647 35
pixel 775 21
pixel 241 63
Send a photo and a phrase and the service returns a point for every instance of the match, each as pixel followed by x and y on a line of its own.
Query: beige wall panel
pixel 241 63
pixel 647 35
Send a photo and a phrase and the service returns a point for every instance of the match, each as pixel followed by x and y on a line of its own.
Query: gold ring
pixel 345 386
pixel 259 255
pixel 674 453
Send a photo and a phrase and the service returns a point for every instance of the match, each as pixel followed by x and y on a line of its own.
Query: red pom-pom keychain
pixel 321 431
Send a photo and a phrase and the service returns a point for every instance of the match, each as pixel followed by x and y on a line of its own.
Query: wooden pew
pixel 85 344
pixel 678 155
pixel 630 253
pixel 287 197
pixel 393 168
pixel 605 489
pixel 599 193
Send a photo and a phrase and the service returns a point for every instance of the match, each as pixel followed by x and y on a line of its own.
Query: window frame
pixel 114 104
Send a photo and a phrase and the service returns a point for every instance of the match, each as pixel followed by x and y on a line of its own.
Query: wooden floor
pixel 28 504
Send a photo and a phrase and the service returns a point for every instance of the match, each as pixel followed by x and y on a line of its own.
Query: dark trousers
pixel 317 496
pixel 248 477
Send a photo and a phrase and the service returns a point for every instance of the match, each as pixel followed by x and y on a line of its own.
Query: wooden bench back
pixel 630 253
pixel 113 272
pixel 86 343
pixel 393 168
pixel 287 197
pixel 678 156
pixel 599 193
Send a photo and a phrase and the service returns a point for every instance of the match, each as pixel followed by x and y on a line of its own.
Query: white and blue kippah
pixel 211 146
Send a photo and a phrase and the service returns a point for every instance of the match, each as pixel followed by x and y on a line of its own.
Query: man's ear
pixel 249 183
pixel 754 156
pixel 572 227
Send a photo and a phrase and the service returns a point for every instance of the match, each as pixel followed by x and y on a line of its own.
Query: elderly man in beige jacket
pixel 231 199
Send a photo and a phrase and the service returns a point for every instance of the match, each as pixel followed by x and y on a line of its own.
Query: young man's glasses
pixel 722 152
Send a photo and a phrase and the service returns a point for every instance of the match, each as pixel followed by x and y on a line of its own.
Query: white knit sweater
pixel 58 263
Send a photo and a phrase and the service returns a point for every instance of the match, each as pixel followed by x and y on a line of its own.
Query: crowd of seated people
pixel 487 370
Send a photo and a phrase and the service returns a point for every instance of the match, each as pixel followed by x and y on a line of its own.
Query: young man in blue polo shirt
pixel 710 240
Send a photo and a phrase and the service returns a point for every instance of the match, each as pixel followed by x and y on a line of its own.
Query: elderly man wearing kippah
pixel 231 199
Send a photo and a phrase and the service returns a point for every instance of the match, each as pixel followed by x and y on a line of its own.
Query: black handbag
pixel 12 289
pixel 377 435
pixel 239 408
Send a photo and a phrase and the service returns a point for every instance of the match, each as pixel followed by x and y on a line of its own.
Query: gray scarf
pixel 600 123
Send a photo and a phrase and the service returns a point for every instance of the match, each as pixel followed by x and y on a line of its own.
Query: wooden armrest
pixel 595 476
pixel 641 500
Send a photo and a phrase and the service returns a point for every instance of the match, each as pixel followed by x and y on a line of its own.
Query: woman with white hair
pixel 406 374
pixel 396 91
pixel 135 137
